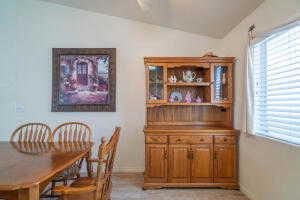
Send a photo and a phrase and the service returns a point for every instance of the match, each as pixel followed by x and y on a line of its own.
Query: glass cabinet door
pixel 155 83
pixel 222 83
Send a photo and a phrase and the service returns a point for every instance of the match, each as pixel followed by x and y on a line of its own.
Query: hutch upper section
pixel 208 79
pixel 189 90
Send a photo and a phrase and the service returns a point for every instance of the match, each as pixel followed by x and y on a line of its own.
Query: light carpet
pixel 129 187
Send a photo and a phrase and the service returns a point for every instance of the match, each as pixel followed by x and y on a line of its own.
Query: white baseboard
pixel 247 193
pixel 128 170
pixel 121 170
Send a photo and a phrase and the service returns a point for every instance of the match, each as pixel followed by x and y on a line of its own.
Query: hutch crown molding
pixel 189 137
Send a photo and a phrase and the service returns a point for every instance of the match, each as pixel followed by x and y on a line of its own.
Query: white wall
pixel 28 31
pixel 269 170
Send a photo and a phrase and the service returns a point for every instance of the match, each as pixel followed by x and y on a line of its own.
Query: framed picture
pixel 83 80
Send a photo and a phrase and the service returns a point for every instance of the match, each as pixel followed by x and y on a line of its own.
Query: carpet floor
pixel 129 187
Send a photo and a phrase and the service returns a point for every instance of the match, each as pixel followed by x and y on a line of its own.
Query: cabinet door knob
pixel 225 139
pixel 166 155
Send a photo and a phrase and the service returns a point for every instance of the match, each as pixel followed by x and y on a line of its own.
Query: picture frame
pixel 83 80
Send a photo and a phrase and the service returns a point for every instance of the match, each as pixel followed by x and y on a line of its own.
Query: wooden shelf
pixel 187 104
pixel 156 82
pixel 199 129
pixel 189 84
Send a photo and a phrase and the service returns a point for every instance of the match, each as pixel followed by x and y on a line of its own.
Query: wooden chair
pixel 99 187
pixel 32 132
pixel 72 132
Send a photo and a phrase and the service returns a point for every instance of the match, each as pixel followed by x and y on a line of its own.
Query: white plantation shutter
pixel 276 75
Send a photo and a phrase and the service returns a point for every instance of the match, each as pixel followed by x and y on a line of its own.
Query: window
pixel 66 69
pixel 276 64
pixel 82 68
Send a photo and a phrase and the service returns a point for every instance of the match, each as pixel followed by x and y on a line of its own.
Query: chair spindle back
pixel 32 132
pixel 72 132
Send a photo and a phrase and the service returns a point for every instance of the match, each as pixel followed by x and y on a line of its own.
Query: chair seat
pixel 83 181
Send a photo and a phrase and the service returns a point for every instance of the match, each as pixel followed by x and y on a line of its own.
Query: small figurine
pixel 172 79
pixel 152 97
pixel 199 100
pixel 171 100
pixel 209 54
pixel 188 97
pixel 223 78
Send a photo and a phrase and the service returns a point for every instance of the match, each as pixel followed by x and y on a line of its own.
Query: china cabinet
pixel 189 139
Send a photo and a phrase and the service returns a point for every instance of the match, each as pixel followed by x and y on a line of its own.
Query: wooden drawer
pixel 205 139
pixel 191 139
pixel 225 139
pixel 161 139
pixel 179 139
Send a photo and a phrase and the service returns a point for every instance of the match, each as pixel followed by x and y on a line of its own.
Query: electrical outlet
pixel 19 108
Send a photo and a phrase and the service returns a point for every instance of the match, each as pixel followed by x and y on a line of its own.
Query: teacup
pixel 199 80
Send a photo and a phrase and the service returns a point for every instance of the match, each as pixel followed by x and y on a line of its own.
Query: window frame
pixel 282 138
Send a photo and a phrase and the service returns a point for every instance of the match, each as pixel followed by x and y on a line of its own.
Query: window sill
pixel 277 140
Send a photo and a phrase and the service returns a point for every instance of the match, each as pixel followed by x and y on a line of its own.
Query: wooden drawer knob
pixel 201 140
pixel 178 140
pixel 225 139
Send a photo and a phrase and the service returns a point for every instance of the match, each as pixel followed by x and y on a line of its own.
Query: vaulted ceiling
pixel 213 18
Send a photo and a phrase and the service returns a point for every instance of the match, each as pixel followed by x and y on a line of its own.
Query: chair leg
pixel 52 186
pixel 89 165
pixel 109 190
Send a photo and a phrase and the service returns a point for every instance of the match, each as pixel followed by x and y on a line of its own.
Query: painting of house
pixel 83 79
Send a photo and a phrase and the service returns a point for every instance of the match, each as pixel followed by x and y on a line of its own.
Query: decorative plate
pixel 175 97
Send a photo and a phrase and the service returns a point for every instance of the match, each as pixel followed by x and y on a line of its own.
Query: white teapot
pixel 188 76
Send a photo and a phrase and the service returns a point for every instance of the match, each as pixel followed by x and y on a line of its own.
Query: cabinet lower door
pixel 225 164
pixel 179 163
pixel 202 163
pixel 156 163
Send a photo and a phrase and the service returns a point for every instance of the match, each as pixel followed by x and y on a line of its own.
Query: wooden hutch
pixel 189 137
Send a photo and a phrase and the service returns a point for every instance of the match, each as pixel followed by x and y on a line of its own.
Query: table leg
pixel 89 165
pixel 31 193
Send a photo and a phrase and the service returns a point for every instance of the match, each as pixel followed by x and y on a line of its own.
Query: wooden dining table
pixel 26 168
